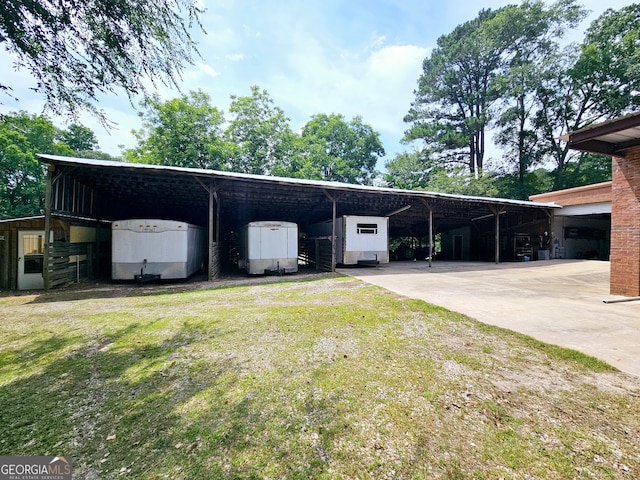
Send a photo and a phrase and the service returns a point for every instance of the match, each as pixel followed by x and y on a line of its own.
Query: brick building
pixel 582 228
pixel 619 138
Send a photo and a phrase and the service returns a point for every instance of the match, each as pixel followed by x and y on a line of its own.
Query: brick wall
pixel 625 225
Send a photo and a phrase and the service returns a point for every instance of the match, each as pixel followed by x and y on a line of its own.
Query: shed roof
pixel 613 137
pixel 246 197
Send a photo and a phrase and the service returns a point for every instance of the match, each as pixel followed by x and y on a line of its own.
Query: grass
pixel 327 378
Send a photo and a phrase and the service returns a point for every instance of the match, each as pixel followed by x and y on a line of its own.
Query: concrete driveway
pixel 556 301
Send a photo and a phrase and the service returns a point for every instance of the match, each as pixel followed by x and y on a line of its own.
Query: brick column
pixel 625 225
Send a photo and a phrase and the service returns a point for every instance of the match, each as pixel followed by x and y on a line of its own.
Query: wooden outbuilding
pixel 78 250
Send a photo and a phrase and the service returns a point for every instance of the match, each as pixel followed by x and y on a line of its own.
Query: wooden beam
pixel 47 227
pixel 595 146
pixel 206 188
pixel 333 230
pixel 210 229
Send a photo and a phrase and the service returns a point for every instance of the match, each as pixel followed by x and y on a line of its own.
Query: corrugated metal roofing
pixel 127 190
pixel 217 174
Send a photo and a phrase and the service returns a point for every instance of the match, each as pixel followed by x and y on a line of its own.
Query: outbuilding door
pixel 30 260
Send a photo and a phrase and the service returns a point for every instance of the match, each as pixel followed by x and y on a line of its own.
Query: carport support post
pixel 497 212
pixel 550 215
pixel 428 205
pixel 213 232
pixel 47 228
pixel 430 235
pixel 333 236
pixel 333 231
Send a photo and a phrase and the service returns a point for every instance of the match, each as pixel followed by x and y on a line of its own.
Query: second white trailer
pixel 269 247
pixel 359 239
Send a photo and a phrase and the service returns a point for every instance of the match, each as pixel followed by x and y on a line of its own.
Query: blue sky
pixel 353 57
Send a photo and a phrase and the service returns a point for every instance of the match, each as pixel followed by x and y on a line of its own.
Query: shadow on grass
pixel 119 406
pixel 107 289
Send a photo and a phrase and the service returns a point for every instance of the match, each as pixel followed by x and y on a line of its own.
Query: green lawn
pixel 321 377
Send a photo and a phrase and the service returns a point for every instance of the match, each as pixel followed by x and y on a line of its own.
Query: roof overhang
pixel 134 188
pixel 613 137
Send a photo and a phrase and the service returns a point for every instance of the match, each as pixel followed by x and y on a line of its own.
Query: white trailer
pixel 145 249
pixel 360 240
pixel 269 247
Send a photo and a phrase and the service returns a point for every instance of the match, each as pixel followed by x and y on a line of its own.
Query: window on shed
pixel 367 229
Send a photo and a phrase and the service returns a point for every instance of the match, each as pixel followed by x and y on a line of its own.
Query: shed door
pixel 30 260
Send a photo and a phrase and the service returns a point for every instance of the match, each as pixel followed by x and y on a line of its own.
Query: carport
pixel 224 201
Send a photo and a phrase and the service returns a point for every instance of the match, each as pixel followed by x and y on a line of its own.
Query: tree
pixel 79 138
pixel 536 31
pixel 77 49
pixel 407 170
pixel 260 138
pixel 22 177
pixel 511 185
pixel 610 60
pixel 183 132
pixel 456 90
pixel 597 82
pixel 588 169
pixel 343 151
pixel 460 181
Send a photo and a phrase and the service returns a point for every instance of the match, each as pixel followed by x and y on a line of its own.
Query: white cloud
pixel 235 57
pixel 207 70
pixel 376 84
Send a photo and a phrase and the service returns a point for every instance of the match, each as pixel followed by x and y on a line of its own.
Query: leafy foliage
pixel 610 60
pixel 536 31
pixel 259 135
pixel 22 177
pixel 78 49
pixel 505 70
pixel 461 182
pixel 407 170
pixel 588 169
pixel 257 140
pixel 79 138
pixel 342 151
pixel 183 132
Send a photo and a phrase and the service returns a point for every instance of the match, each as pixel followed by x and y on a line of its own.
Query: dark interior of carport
pixel 224 202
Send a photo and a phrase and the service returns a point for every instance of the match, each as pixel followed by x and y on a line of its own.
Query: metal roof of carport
pixel 246 197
